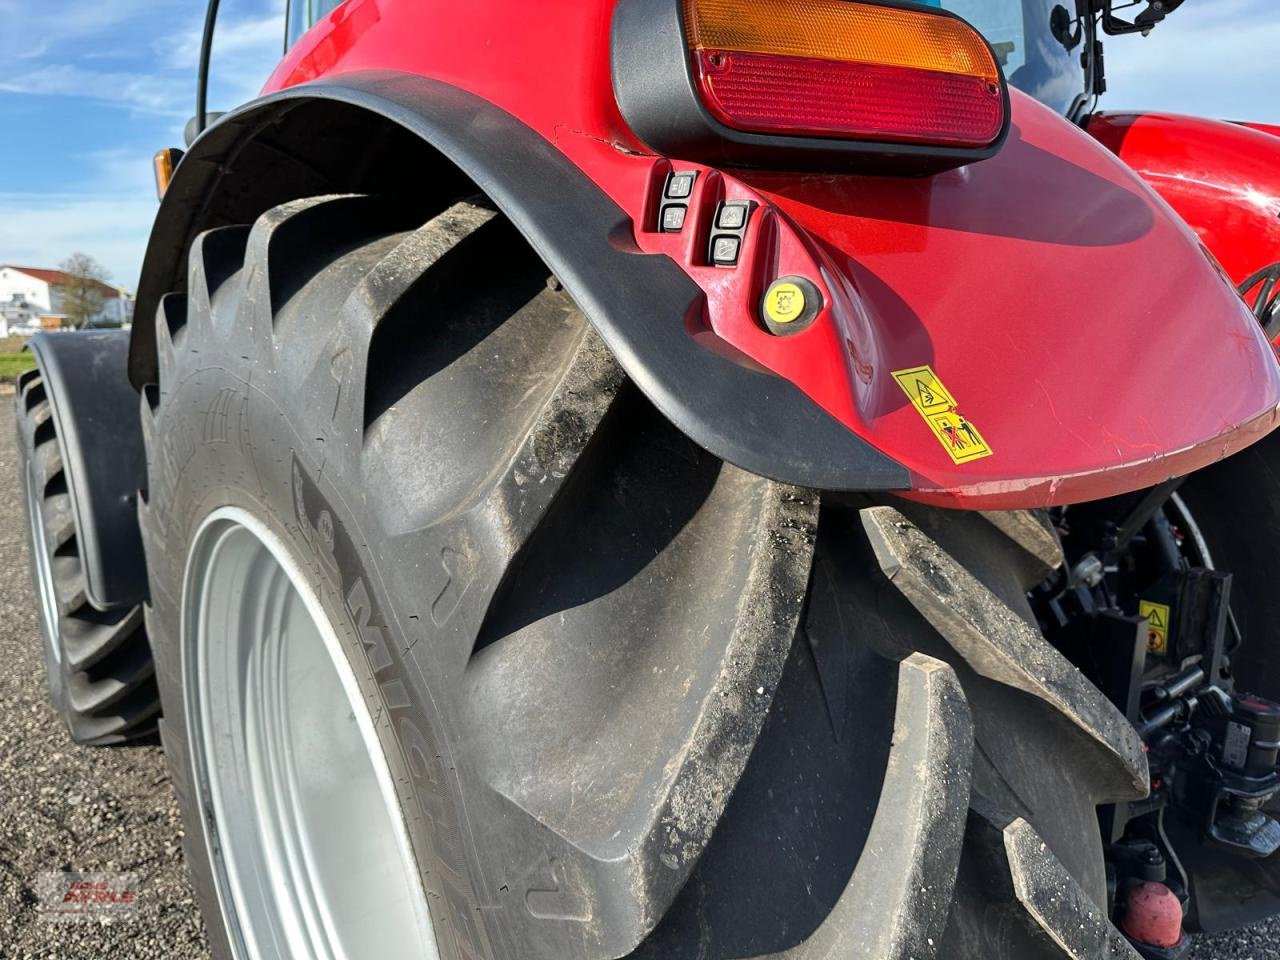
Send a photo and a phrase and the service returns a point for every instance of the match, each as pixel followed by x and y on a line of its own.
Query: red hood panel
pixel 1222 178
pixel 1077 323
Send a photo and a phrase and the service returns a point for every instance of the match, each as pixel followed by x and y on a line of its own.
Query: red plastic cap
pixel 823 98
pixel 1153 915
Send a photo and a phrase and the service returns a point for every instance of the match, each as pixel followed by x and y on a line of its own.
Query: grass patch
pixel 12 365
pixel 13 344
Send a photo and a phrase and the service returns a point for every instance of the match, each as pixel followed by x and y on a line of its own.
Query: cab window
pixel 303 14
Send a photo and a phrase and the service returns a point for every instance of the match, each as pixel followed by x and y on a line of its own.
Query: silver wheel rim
pixel 302 822
pixel 44 571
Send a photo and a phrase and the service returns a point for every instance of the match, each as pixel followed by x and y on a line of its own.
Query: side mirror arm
pixel 202 78
pixel 1143 23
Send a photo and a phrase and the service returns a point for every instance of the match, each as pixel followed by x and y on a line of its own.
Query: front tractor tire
pixel 101 679
pixel 619 698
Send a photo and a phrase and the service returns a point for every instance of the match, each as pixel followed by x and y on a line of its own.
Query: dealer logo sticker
pixel 958 435
pixel 93 897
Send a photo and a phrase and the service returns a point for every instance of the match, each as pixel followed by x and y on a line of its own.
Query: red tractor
pixel 688 479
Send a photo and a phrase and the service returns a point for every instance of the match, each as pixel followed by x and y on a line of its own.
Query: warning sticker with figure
pixel 958 436
pixel 1157 615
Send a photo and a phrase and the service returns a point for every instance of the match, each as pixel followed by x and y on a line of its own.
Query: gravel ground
pixel 69 808
pixel 64 807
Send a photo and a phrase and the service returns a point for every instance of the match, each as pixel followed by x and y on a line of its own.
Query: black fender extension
pixel 638 303
pixel 96 416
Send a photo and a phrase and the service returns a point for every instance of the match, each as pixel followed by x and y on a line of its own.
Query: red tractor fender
pixel 1222 178
pixel 993 337
pixel 1268 128
pixel 761 423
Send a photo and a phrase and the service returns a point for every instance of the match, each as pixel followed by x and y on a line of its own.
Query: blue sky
pixel 90 89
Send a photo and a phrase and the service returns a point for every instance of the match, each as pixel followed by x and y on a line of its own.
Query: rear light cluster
pixel 845 69
pixel 886 86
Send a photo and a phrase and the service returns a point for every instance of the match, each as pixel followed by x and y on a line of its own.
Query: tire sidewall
pixel 221 440
pixel 26 453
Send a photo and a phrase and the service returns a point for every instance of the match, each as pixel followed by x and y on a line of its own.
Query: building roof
pixel 58 278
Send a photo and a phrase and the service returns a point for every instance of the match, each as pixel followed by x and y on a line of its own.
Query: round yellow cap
pixel 784 302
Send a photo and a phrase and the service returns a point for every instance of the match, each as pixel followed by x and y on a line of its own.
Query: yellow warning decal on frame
pixel 1157 615
pixel 958 436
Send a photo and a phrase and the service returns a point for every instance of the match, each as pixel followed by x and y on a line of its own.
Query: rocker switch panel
pixel 675 201
pixel 680 185
pixel 728 231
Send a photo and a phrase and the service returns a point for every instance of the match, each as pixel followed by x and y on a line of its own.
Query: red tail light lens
pixel 842 85
pixel 846 69
pixel 795 95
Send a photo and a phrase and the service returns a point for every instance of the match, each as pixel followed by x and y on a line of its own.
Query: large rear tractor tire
pixel 101 679
pixel 451 623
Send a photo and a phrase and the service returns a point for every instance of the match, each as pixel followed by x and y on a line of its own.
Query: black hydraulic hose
pixel 1143 511
pixel 202 79
pixel 1166 542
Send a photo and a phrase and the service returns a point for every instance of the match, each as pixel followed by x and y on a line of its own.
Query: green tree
pixel 80 296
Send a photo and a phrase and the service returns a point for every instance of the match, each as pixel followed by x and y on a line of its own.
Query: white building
pixel 30 298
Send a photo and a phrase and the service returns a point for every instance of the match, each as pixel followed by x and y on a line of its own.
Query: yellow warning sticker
pixel 958 436
pixel 1157 615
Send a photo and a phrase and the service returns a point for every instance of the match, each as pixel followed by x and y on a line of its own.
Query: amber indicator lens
pixel 162 165
pixel 838 68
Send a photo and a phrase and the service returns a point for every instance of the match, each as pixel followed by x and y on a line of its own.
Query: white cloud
pixel 137 56
pixel 254 35
pixel 108 215
pixel 144 94
pixel 49 55
pixel 66 20
pixel 33 53
pixel 42 230
pixel 120 171
pixel 244 54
